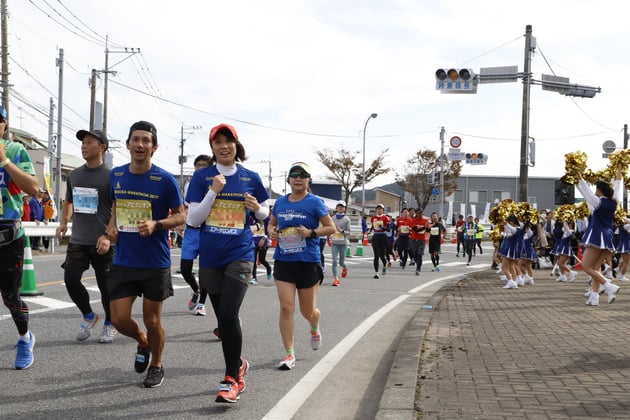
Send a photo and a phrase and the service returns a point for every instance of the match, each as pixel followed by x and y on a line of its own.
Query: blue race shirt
pixel 306 212
pixel 226 235
pixel 147 196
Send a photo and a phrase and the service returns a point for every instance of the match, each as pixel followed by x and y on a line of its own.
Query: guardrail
pixel 48 229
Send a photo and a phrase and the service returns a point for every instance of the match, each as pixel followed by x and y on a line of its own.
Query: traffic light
pixel 451 80
pixel 564 193
pixel 476 158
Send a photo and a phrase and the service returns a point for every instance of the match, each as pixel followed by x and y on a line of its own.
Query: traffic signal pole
pixel 527 78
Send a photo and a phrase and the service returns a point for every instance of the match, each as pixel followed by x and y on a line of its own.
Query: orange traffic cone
pixel 365 239
pixel 29 285
pixel 578 265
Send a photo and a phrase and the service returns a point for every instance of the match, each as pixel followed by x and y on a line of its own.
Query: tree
pixel 419 168
pixel 346 169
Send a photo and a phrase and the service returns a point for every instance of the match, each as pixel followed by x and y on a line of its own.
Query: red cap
pixel 215 131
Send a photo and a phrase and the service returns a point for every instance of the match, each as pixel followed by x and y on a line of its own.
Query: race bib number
pixel 131 212
pixel 85 200
pixel 289 240
pixel 339 235
pixel 403 229
pixel 471 232
pixel 435 231
pixel 227 214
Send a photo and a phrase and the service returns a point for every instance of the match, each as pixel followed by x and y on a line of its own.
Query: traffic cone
pixel 359 252
pixel 578 265
pixel 365 239
pixel 348 252
pixel 29 286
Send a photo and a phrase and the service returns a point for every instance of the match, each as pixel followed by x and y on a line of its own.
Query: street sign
pixel 456 87
pixel 456 141
pixel 482 161
pixel 435 191
pixel 609 146
pixel 502 74
pixel 455 154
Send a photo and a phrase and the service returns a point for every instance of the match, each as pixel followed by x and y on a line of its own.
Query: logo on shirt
pixel 155 178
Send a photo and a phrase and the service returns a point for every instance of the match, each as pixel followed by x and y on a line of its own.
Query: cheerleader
pixel 509 251
pixel 557 238
pixel 598 238
pixel 528 255
pixel 623 249
pixel 564 251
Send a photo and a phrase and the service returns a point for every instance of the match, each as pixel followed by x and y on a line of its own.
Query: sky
pixel 297 76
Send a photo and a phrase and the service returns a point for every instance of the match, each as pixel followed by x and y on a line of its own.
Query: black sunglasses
pixel 302 175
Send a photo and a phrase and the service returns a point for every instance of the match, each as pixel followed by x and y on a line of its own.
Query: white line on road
pixel 295 398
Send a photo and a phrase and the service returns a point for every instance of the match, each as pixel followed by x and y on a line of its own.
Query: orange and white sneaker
pixel 336 282
pixel 240 377
pixel 228 391
pixel 316 339
pixel 287 363
pixel 344 272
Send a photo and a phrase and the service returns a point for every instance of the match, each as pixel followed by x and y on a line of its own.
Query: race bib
pixel 339 235
pixel 470 232
pixel 85 200
pixel 435 231
pixel 289 240
pixel 403 229
pixel 131 212
pixel 227 214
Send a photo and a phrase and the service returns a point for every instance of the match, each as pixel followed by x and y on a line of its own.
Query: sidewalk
pixel 537 352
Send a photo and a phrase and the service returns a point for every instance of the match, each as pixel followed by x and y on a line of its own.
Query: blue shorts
pixel 190 243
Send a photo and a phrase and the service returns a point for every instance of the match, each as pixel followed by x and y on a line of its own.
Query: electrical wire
pixel 104 39
pixel 64 26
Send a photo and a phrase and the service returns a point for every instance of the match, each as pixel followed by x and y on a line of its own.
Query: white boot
pixel 572 275
pixel 612 290
pixel 593 299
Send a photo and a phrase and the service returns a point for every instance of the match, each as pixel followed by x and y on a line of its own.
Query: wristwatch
pixel 159 225
pixel 313 234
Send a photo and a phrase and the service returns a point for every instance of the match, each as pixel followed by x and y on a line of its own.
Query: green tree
pixel 418 168
pixel 346 169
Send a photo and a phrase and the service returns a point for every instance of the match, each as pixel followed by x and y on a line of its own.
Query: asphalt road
pixel 362 322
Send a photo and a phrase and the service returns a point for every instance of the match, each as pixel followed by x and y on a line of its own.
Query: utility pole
pixel 527 79
pixel 442 195
pixel 625 146
pixel 51 133
pixel 4 23
pixel 182 157
pixel 59 128
pixel 92 98
pixel 107 71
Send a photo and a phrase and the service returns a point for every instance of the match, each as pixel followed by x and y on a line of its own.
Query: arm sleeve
pixel 618 185
pixel 263 212
pixel 198 212
pixel 588 195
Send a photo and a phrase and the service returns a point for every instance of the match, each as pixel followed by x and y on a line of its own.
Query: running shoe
pixel 316 339
pixel 240 377
pixel 85 329
pixel 142 359
pixel 217 333
pixel 24 357
pixel 201 310
pixel 389 264
pixel 287 363
pixel 336 282
pixel 377 276
pixel 192 303
pixel 154 378
pixel 253 282
pixel 384 271
pixel 269 276
pixel 107 334
pixel 344 272
pixel 228 391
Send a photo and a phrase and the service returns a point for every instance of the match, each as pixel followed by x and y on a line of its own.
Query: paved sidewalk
pixel 537 352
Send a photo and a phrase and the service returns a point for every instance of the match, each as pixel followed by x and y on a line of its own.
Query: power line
pixel 64 26
pixel 103 38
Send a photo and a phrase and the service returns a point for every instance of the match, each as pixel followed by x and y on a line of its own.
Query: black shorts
pixel 11 265
pixel 212 279
pixel 303 274
pixel 152 283
pixel 81 256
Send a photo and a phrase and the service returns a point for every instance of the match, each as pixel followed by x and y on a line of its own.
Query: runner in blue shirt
pixel 221 198
pixel 294 224
pixel 142 194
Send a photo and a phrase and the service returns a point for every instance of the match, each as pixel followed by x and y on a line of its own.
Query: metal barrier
pixel 45 229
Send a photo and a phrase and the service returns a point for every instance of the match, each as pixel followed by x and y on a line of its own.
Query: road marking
pixel 48 302
pixel 295 398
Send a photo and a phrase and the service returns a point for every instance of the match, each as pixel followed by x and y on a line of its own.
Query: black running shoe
pixel 143 355
pixel 155 377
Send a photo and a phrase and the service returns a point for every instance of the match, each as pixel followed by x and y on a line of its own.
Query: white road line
pixel 48 302
pixel 295 398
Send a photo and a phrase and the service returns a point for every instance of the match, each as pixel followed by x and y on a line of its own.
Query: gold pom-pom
pixel 581 210
pixel 620 215
pixel 574 163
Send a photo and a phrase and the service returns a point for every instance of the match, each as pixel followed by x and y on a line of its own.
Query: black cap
pixel 98 134
pixel 146 126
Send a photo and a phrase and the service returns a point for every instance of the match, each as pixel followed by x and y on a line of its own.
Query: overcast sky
pixel 298 76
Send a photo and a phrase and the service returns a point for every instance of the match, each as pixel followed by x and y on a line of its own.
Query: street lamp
pixel 373 115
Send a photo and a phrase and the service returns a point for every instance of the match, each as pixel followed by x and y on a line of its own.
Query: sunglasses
pixel 302 175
